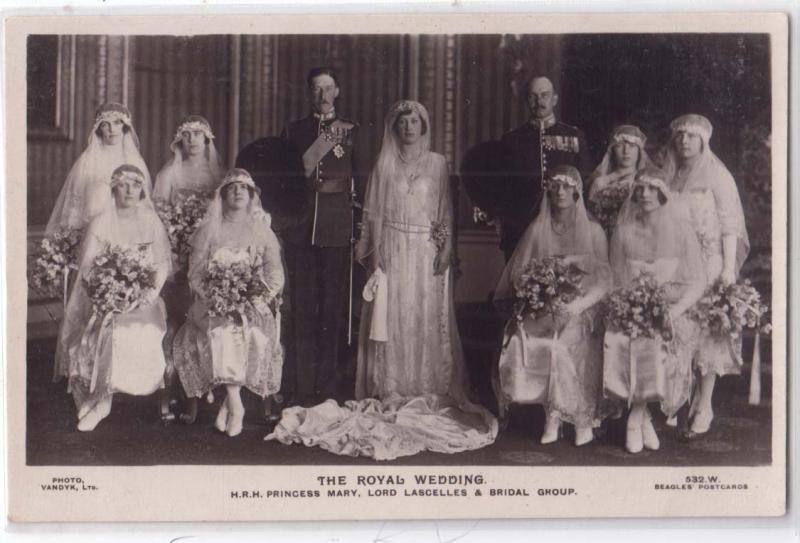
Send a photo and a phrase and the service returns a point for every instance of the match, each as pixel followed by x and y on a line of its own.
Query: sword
pixel 352 247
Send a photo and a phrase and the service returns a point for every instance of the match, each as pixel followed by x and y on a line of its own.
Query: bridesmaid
pixel 611 181
pixel 652 235
pixel 211 350
pixel 562 372
pixel 707 189
pixel 112 143
pixel 194 169
pixel 119 352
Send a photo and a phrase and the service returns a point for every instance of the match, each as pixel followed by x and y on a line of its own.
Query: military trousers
pixel 318 285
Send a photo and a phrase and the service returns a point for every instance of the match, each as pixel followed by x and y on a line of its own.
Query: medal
pixel 338 151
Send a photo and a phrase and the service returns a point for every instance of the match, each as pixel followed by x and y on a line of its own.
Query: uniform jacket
pixel 527 156
pixel 326 219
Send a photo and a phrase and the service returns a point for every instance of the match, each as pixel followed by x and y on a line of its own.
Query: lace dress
pixel 651 369
pixel 563 371
pixel 210 351
pixel 412 387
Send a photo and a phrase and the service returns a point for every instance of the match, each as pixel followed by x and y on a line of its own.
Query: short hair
pixel 409 112
pixel 223 192
pixel 531 79
pixel 322 70
pixel 636 192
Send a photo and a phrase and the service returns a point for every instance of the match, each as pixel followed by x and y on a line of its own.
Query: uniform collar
pixel 545 123
pixel 325 116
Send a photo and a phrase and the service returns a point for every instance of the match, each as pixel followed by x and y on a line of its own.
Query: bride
pixel 410 383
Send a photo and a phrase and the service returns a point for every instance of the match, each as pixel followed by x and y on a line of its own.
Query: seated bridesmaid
pixel 653 235
pixel 103 351
pixel 231 336
pixel 556 360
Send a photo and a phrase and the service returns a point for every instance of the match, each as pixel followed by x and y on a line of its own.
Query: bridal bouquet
pixel 119 279
pixel 639 311
pixel 726 310
pixel 181 220
pixel 606 203
pixel 546 285
pixel 57 255
pixel 234 284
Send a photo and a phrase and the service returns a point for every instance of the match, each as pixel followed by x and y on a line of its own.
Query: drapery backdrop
pixel 249 86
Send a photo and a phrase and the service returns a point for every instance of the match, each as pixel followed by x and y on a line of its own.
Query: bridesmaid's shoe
pixel 89 421
pixel 702 421
pixel 649 436
pixel 672 422
pixel 633 439
pixel 583 436
pixel 221 423
pixel 235 420
pixel 551 430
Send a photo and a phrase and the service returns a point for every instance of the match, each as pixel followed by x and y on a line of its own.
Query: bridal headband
pixel 627 133
pixel 127 172
pixel 194 123
pixel 694 124
pixel 111 112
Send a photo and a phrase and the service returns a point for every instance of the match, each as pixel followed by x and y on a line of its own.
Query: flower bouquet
pixel 120 279
pixel 439 234
pixel 57 255
pixel 545 286
pixel 638 329
pixel 639 311
pixel 181 220
pixel 606 203
pixel 235 285
pixel 725 311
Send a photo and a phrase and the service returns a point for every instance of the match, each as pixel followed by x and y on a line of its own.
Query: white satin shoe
pixel 649 436
pixel 551 430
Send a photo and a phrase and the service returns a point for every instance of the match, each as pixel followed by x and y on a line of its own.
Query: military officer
pixel 529 151
pixel 318 242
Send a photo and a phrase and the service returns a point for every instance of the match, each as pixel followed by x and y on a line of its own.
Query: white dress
pixel 411 388
pixel 118 352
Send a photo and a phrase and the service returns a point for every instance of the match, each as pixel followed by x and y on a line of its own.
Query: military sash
pixel 330 138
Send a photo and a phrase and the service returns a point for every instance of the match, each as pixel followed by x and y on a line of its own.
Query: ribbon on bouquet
pixel 66 283
pixel 755 370
pixel 551 380
pixel 632 372
pixel 107 320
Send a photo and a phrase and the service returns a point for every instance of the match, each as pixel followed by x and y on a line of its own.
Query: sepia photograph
pixel 374 267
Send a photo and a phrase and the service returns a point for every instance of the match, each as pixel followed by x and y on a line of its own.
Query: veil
pixel 674 237
pixel 539 241
pixel 172 179
pixel 84 194
pixel 104 230
pixel 623 133
pixel 709 173
pixel 381 182
pixel 208 233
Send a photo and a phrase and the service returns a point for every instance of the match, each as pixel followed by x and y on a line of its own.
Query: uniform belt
pixel 333 185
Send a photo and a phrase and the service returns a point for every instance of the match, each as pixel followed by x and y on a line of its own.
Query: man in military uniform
pixel 529 151
pixel 318 243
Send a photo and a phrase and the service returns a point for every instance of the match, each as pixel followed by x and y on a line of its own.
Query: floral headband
pixel 191 126
pixel 126 174
pixel 627 138
pixel 238 175
pixel 644 179
pixel 693 124
pixel 111 115
pixel 560 178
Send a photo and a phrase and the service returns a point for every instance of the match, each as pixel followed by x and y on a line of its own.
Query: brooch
pixel 338 151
